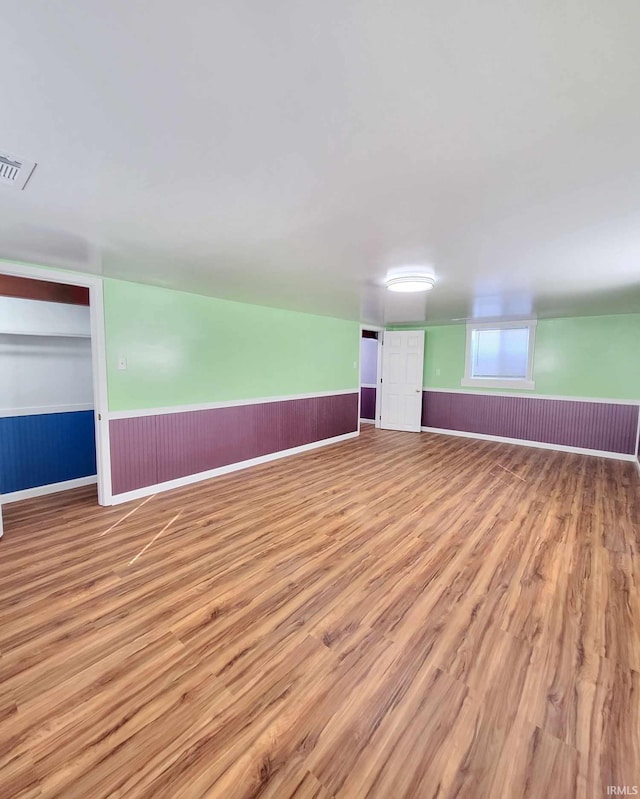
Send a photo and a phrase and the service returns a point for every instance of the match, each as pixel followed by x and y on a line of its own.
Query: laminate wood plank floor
pixel 394 616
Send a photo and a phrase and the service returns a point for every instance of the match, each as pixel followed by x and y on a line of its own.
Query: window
pixel 500 355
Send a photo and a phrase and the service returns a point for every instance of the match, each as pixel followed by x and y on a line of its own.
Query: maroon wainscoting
pixel 146 450
pixel 601 426
pixel 29 289
pixel 368 403
pixel 133 444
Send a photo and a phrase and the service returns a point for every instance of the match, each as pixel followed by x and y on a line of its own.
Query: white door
pixel 402 369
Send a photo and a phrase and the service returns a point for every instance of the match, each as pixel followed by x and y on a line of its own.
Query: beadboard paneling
pixel 146 450
pixel 41 449
pixel 608 427
pixel 134 460
pixel 368 403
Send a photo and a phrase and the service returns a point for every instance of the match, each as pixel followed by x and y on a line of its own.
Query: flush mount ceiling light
pixel 409 281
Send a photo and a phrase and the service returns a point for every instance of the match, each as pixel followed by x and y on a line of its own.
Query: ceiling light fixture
pixel 410 282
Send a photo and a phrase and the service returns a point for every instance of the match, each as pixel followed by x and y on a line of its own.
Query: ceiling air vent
pixel 15 171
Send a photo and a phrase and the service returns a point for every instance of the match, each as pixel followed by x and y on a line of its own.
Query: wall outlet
pixel 122 364
pixel 438 372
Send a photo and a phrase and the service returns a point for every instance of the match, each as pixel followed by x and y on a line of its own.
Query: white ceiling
pixel 288 153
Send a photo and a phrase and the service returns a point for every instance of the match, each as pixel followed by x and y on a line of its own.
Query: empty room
pixel 319 400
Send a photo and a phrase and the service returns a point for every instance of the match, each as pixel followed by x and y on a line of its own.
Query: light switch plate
pixel 122 364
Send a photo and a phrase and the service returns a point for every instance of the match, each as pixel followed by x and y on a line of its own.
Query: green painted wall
pixel 185 348
pixel 584 356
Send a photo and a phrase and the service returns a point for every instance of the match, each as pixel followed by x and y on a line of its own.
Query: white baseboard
pixel 51 488
pixel 618 456
pixel 138 493
pixel 367 421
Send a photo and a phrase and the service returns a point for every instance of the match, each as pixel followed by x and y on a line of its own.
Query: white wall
pixel 44 373
pixel 368 361
pixel 34 316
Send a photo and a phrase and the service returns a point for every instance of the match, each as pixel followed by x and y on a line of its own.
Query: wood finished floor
pixel 395 616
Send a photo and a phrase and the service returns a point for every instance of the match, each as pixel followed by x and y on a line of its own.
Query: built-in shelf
pixel 43 334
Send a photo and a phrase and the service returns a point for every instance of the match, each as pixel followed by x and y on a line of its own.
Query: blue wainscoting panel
pixel 47 448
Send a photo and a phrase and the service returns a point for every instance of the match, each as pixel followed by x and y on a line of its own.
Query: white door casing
pixel 402 370
pixel 98 359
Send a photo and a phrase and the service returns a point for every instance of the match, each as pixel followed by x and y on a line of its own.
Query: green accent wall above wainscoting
pixel 582 356
pixel 184 349
pixel 589 356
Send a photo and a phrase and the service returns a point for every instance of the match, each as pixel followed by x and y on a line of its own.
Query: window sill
pixel 490 382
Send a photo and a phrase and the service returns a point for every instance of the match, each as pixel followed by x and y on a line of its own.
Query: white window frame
pixel 527 383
